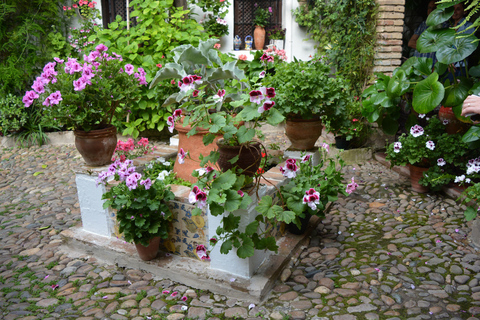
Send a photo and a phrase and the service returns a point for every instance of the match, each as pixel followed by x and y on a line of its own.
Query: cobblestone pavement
pixel 385 252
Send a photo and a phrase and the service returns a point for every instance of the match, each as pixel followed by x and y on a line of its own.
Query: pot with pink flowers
pixel 85 95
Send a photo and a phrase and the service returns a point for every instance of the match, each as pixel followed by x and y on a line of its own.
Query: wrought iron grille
pixel 113 8
pixel 243 12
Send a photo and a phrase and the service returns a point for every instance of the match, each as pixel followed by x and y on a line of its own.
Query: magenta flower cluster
pixel 87 72
pixel 198 196
pixel 263 97
pixel 126 172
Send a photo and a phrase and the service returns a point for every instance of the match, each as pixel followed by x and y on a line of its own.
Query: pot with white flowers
pixel 85 94
pixel 141 206
pixel 417 149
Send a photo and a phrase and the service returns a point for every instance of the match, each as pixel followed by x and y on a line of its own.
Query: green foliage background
pixel 345 33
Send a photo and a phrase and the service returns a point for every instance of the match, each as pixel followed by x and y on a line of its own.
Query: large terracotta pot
pixel 194 145
pixel 416 173
pixel 249 159
pixel 96 146
pixel 303 133
pixel 454 125
pixel 259 37
pixel 150 252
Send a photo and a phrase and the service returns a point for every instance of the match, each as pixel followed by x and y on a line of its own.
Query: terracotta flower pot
pixel 249 159
pixel 150 252
pixel 194 146
pixel 454 125
pixel 96 146
pixel 303 134
pixel 416 173
pixel 259 37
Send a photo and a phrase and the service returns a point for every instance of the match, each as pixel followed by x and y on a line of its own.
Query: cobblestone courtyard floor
pixel 385 252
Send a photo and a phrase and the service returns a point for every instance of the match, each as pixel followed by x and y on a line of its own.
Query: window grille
pixel 244 13
pixel 113 8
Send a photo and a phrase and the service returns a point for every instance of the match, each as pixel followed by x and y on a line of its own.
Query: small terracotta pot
pixel 454 125
pixel 303 134
pixel 249 159
pixel 96 146
pixel 416 173
pixel 150 252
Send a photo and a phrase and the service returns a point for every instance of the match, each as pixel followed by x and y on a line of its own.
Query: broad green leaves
pixel 459 49
pixel 428 94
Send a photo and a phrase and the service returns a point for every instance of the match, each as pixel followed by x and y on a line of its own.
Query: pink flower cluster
pixel 276 52
pixel 473 166
pixel 202 252
pixel 72 66
pixel 126 172
pixel 198 196
pixel 290 169
pixel 397 146
pixel 181 156
pixel 352 186
pixel 189 82
pixel 125 149
pixel 263 97
pixel 171 119
pixel 311 198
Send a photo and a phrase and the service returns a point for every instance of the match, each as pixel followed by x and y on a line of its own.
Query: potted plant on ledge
pixel 310 92
pixel 261 19
pixel 215 26
pixel 141 203
pixel 85 95
pixel 277 37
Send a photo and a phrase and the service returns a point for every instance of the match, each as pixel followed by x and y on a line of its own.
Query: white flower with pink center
pixel 352 186
pixel 397 146
pixel 290 169
pixel 181 156
pixel 311 198
pixel 416 131
pixel 430 145
pixel 441 162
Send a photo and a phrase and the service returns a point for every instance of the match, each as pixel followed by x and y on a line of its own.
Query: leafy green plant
pixel 311 90
pixel 345 34
pixel 141 204
pixel 276 33
pixel 215 26
pixel 262 16
pixel 12 116
pixel 31 32
pixel 160 28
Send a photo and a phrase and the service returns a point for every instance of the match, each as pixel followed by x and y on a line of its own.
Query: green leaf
pixel 233 200
pixel 389 125
pixel 217 122
pixel 274 117
pixel 439 15
pixel 215 209
pixel 246 249
pixel 470 213
pixel 225 181
pixel 245 134
pixel 461 48
pixel 474 71
pixel 428 94
pixel 268 243
pixel 398 84
pixel 37 173
pixel 251 228
pixel 231 222
pixel 226 246
pixel 456 93
pixel 473 134
pixel 431 40
pixel 423 66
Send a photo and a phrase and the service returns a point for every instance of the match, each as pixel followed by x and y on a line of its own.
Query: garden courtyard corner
pixel 384 252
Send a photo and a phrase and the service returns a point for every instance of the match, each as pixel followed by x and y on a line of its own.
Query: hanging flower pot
pixel 259 37
pixel 96 146
pixel 249 157
pixel 303 134
pixel 147 253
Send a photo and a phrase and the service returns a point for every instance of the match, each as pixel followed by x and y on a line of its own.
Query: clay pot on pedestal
pixel 96 146
pixel 259 37
pixel 416 173
pixel 250 156
pixel 194 146
pixel 303 133
pixel 150 252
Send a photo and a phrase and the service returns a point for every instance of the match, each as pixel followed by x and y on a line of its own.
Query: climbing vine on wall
pixel 345 35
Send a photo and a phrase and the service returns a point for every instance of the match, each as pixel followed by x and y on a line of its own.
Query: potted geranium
pixel 85 95
pixel 417 150
pixel 310 93
pixel 311 188
pixel 277 37
pixel 261 19
pixel 142 213
pixel 215 26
